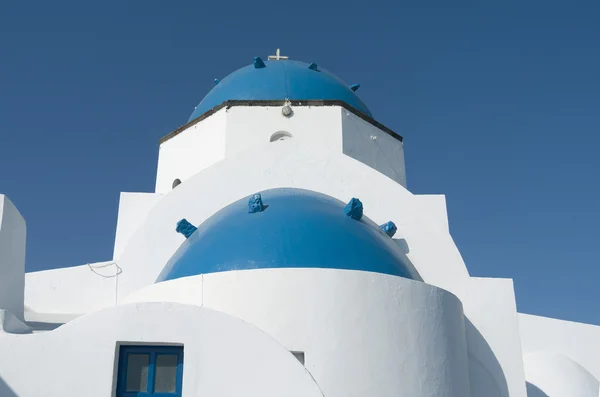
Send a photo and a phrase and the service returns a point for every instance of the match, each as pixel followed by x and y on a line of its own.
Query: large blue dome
pixel 280 80
pixel 298 229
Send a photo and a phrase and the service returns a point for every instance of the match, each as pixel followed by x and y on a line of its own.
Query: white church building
pixel 281 254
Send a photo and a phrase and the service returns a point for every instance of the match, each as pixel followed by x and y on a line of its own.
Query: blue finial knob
pixel 354 209
pixel 259 63
pixel 313 66
pixel 185 228
pixel 255 204
pixel 355 87
pixel 217 81
pixel 389 228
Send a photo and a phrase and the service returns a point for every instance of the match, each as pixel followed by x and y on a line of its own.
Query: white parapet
pixel 12 258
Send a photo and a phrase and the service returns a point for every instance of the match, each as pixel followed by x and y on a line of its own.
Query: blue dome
pixel 280 80
pixel 297 229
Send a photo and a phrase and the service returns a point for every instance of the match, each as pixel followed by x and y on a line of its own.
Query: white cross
pixel 277 57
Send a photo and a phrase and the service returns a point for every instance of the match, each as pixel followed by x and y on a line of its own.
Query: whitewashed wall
pixel 580 342
pixel 373 147
pixel 12 258
pixel 133 210
pixel 493 339
pixel 191 151
pixel 238 129
pixel 554 375
pixel 223 356
pixel 249 128
pixel 363 333
pixel 72 290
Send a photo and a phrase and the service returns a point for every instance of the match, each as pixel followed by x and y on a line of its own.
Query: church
pixel 280 254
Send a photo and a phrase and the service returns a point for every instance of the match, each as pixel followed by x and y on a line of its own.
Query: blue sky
pixel 498 102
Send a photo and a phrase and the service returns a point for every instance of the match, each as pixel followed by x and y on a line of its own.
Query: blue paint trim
pixel 280 80
pixel 313 66
pixel 389 228
pixel 297 229
pixel 153 352
pixel 355 87
pixel 185 228
pixel 217 81
pixel 354 209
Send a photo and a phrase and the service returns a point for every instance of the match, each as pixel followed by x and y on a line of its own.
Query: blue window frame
pixel 150 371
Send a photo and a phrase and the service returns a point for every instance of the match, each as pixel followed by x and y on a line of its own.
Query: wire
pixel 93 269
pixel 115 276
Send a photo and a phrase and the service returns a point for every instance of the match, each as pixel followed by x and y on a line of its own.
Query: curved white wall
pixel 554 375
pixel 550 334
pixel 223 356
pixel 363 333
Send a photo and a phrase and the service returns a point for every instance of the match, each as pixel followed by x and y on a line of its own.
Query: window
pixel 150 371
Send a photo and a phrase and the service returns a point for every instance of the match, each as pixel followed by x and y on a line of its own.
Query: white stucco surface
pixel 580 342
pixel 434 205
pixel 191 151
pixel 493 339
pixel 234 130
pixel 12 258
pixel 223 356
pixel 289 164
pixel 373 147
pixel 250 128
pixel 362 333
pixel 72 290
pixel 554 375
pixel 133 210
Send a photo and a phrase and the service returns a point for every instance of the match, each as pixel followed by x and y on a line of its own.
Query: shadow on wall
pixel 5 390
pixel 485 372
pixel 533 391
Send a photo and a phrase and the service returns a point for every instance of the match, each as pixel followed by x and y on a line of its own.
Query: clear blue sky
pixel 499 104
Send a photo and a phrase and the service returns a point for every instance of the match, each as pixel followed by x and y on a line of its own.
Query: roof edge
pixel 232 103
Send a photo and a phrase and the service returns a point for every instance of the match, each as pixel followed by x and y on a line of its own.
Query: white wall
pixel 250 127
pixel 580 342
pixel 435 205
pixel 191 151
pixel 238 129
pixel 493 339
pixel 290 164
pixel 72 290
pixel 223 356
pixel 373 147
pixel 133 210
pixel 554 375
pixel 363 333
pixel 12 257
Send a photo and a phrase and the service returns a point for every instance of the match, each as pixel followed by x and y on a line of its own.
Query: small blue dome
pixel 296 229
pixel 280 80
